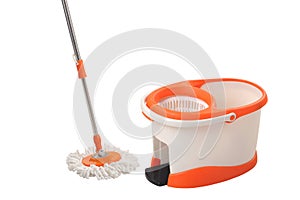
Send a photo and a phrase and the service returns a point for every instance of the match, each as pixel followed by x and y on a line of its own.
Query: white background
pixel 254 40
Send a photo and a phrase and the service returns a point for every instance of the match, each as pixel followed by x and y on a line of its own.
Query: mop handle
pixel 71 30
pixel 82 75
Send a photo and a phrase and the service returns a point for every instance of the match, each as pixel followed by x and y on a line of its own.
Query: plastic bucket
pixel 202 125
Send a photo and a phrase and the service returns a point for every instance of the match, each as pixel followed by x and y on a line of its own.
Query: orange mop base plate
pixel 109 158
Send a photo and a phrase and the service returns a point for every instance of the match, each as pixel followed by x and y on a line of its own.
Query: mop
pixel 102 162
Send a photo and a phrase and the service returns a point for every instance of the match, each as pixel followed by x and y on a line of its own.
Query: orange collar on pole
pixel 80 69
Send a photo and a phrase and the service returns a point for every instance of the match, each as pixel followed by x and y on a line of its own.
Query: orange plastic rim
pixel 192 88
pixel 182 90
pixel 110 158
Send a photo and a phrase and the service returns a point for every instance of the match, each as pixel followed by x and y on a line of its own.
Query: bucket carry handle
pixel 230 117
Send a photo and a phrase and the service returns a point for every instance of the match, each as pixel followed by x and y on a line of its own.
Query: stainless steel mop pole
pixel 82 75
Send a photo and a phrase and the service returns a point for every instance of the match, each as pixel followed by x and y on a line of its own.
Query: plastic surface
pixel 80 69
pixel 153 116
pixel 155 162
pixel 109 158
pixel 204 176
pixel 158 175
pixel 249 97
pixel 183 104
pixel 216 146
pixel 97 142
pixel 155 100
pixel 191 88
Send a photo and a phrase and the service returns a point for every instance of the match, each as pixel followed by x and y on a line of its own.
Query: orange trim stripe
pixel 209 175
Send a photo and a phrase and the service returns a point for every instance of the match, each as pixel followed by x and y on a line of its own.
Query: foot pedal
pixel 158 175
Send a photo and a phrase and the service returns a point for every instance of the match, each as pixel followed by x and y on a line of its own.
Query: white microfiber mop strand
pixel 128 163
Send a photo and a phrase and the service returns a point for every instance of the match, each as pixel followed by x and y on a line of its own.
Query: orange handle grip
pixel 80 69
pixel 97 142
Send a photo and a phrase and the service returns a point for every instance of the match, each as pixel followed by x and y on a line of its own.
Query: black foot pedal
pixel 158 175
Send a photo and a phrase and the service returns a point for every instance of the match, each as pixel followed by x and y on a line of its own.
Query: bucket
pixel 204 131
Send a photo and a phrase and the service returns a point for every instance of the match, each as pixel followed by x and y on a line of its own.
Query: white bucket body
pixel 216 141
pixel 234 145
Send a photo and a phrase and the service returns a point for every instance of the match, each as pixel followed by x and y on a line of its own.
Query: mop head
pixel 125 165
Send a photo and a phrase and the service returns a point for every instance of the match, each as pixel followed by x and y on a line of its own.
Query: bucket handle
pixel 230 117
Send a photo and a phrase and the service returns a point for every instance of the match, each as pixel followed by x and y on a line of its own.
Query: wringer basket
pixel 204 131
pixel 183 104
